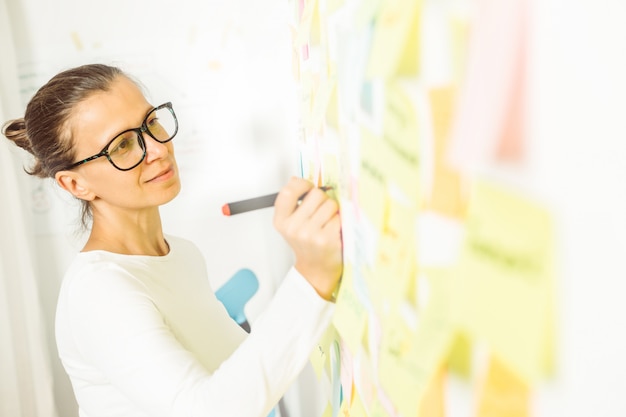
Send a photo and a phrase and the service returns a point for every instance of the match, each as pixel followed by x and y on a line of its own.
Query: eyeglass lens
pixel 127 149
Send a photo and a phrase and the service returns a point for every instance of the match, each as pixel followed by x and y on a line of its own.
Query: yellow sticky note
pixel 308 85
pixel 364 384
pixel 328 411
pixel 503 393
pixel 459 30
pixel 350 316
pixel 379 410
pixel 391 159
pixel 395 44
pixel 78 43
pixel 344 410
pixel 401 140
pixel 504 286
pixel 333 5
pixel 403 379
pixel 332 109
pixel 366 12
pixel 372 179
pixel 357 409
pixel 435 295
pixel 396 261
pixel 388 163
pixel 295 55
pixel 321 100
pixel 331 176
pixel 459 359
pixel 549 348
pixel 306 22
pixel 320 357
pixel 317 27
pixel 409 359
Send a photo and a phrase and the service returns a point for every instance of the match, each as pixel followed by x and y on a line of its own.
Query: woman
pixel 138 329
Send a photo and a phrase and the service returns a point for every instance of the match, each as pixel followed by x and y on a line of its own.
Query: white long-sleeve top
pixel 145 336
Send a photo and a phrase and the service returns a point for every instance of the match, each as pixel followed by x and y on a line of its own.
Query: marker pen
pixel 256 203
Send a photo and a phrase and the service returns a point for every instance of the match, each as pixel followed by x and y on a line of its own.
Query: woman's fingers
pixel 287 200
pixel 311 225
pixel 324 213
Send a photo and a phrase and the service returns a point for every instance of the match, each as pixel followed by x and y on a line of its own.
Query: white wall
pixel 579 104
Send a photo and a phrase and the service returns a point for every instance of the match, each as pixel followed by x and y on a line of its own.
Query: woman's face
pixel 94 123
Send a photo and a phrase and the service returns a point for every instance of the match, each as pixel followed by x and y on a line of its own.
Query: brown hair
pixel 45 131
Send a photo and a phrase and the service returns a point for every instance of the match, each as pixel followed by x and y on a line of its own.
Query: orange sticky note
pixel 504 394
pixel 433 402
pixel 445 196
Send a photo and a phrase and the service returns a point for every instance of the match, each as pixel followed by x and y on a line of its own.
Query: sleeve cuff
pixel 305 287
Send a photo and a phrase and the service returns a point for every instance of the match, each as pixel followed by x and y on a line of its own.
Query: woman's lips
pixel 163 175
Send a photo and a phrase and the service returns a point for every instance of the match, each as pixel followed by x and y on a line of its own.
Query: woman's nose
pixel 154 149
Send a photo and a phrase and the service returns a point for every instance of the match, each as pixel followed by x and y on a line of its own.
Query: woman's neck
pixel 137 233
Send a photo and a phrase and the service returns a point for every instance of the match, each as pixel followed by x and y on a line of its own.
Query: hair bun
pixel 15 131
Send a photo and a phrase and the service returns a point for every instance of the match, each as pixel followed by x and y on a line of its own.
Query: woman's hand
pixel 312 228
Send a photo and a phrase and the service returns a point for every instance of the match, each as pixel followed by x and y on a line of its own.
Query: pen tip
pixel 226 210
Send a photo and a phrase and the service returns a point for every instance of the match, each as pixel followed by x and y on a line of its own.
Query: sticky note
pixel 364 383
pixel 503 393
pixel 380 410
pixel 328 411
pixel 321 99
pixel 390 278
pixel 460 356
pixel 308 85
pixel 446 196
pixel 332 109
pixel 366 12
pixel 78 43
pixel 410 358
pixel 395 45
pixel 331 176
pixel 489 124
pixel 350 316
pixel 401 141
pixel 390 161
pixel 306 22
pixel 459 29
pixel 320 357
pixel 436 295
pixel 433 401
pixel 504 281
pixel 357 409
pixel 346 374
pixel 372 179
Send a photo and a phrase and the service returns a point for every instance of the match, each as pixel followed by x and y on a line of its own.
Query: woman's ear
pixel 74 184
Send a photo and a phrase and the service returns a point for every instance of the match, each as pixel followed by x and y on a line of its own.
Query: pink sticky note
pixel 489 119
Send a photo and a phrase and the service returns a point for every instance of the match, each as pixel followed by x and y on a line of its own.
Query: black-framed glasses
pixel 128 149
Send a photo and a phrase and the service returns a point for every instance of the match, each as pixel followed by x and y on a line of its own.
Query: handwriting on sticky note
pixel 504 289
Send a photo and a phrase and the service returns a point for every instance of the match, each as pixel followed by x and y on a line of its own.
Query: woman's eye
pixel 122 145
